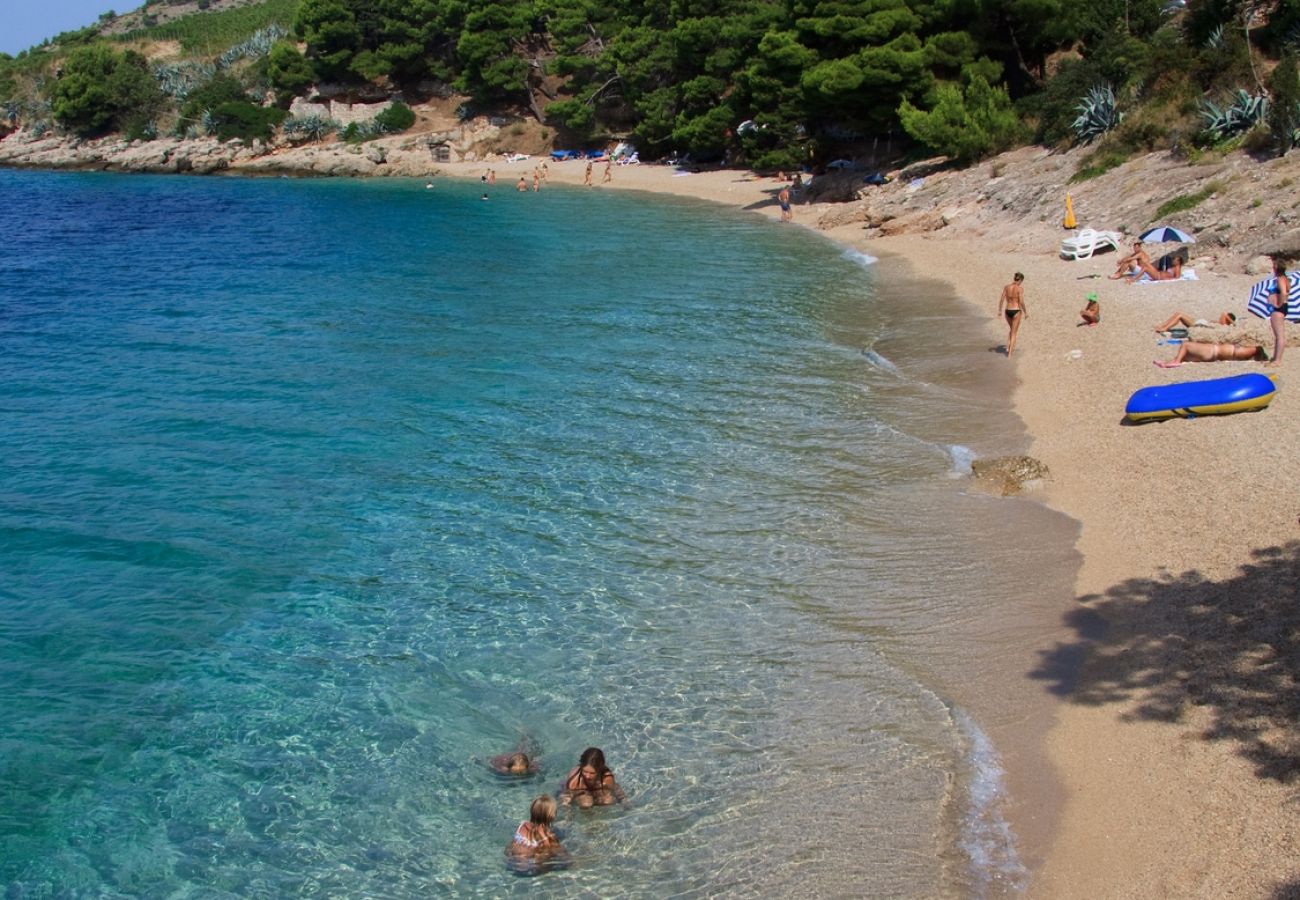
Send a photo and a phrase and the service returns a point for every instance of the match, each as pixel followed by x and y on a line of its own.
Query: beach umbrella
pixel 1164 233
pixel 1258 302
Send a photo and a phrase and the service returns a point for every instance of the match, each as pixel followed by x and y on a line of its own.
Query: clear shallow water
pixel 317 494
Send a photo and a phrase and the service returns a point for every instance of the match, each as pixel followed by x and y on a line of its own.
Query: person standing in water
pixel 1279 307
pixel 1012 305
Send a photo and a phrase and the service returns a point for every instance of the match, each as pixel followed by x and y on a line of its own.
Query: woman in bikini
pixel 1183 320
pixel 1012 305
pixel 1207 351
pixel 1173 273
pixel 591 783
pixel 1278 308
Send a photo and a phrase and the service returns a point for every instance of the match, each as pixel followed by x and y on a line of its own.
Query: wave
pixel 857 256
pixel 882 363
pixel 961 457
pixel 986 836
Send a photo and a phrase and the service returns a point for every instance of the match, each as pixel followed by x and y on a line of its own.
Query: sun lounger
pixel 1088 241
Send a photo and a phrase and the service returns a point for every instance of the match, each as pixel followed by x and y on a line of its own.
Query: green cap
pixel 1093 296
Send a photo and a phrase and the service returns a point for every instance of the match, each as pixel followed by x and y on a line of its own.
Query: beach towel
pixel 1188 275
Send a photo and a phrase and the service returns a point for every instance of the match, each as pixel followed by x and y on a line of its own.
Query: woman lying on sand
pixel 1183 320
pixel 1206 351
pixel 1145 268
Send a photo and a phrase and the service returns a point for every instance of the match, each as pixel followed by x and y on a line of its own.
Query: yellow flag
pixel 1069 213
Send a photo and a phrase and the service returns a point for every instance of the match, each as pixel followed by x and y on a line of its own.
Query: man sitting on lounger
pixel 1173 273
pixel 1183 320
pixel 1132 262
pixel 1206 351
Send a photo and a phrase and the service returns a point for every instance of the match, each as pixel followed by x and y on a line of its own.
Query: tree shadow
pixel 1182 641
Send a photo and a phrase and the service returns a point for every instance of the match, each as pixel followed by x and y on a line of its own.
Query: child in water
pixel 535 846
pixel 517 762
pixel 591 783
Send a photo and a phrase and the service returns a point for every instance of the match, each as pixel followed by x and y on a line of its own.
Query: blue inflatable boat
pixel 1188 399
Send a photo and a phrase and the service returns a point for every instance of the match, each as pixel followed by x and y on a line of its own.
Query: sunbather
pixel 1132 262
pixel 1207 351
pixel 1183 320
pixel 1173 273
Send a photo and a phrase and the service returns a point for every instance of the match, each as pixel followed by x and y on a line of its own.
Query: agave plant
pixel 1097 114
pixel 309 128
pixel 178 79
pixel 208 123
pixel 1215 40
pixel 258 45
pixel 1244 113
pixel 13 110
pixel 40 128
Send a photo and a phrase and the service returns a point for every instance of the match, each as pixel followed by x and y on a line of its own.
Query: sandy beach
pixel 1174 745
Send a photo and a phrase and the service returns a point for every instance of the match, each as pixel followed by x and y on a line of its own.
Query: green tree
pixel 102 90
pixel 288 71
pixel 1284 103
pixel 332 34
pixel 965 123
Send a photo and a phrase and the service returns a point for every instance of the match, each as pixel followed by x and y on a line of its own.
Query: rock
pixel 1259 265
pixel 1009 475
pixel 377 154
pixel 1286 245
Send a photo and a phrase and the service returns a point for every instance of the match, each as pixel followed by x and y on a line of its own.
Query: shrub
pixel 288 71
pixel 1099 162
pixel 1284 111
pixel 244 120
pixel 395 119
pixel 1184 202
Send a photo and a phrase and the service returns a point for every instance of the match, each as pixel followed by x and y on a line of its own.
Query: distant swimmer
pixel 522 186
pixel 484 197
pixel 516 763
pixel 428 185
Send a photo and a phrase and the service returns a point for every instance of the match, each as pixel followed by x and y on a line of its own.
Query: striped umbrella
pixel 1163 234
pixel 1258 302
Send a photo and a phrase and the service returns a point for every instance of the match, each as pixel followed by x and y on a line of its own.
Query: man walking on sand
pixel 1012 305
pixel 783 198
pixel 587 178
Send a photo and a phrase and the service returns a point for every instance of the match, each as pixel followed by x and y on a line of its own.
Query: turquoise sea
pixel 315 495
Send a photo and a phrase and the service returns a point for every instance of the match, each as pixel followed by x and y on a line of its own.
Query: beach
pixel 1164 747
pixel 1174 746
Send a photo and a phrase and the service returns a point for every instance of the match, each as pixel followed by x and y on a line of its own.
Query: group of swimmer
pixel 1011 305
pixel 536 845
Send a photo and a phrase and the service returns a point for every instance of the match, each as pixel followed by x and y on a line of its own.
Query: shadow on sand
pixel 1183 641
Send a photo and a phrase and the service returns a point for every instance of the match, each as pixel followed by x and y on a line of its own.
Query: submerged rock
pixel 1009 475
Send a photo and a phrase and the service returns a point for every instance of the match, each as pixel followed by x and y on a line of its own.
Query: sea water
pixel 315 495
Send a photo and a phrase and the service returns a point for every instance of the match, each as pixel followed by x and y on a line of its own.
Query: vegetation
pixel 1184 202
pixel 212 33
pixel 767 83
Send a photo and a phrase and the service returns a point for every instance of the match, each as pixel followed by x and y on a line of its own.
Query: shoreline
pixel 1173 783
pixel 1174 739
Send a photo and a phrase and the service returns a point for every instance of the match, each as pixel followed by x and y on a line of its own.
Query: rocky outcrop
pixel 404 155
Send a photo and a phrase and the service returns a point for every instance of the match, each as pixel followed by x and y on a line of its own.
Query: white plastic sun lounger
pixel 1087 241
